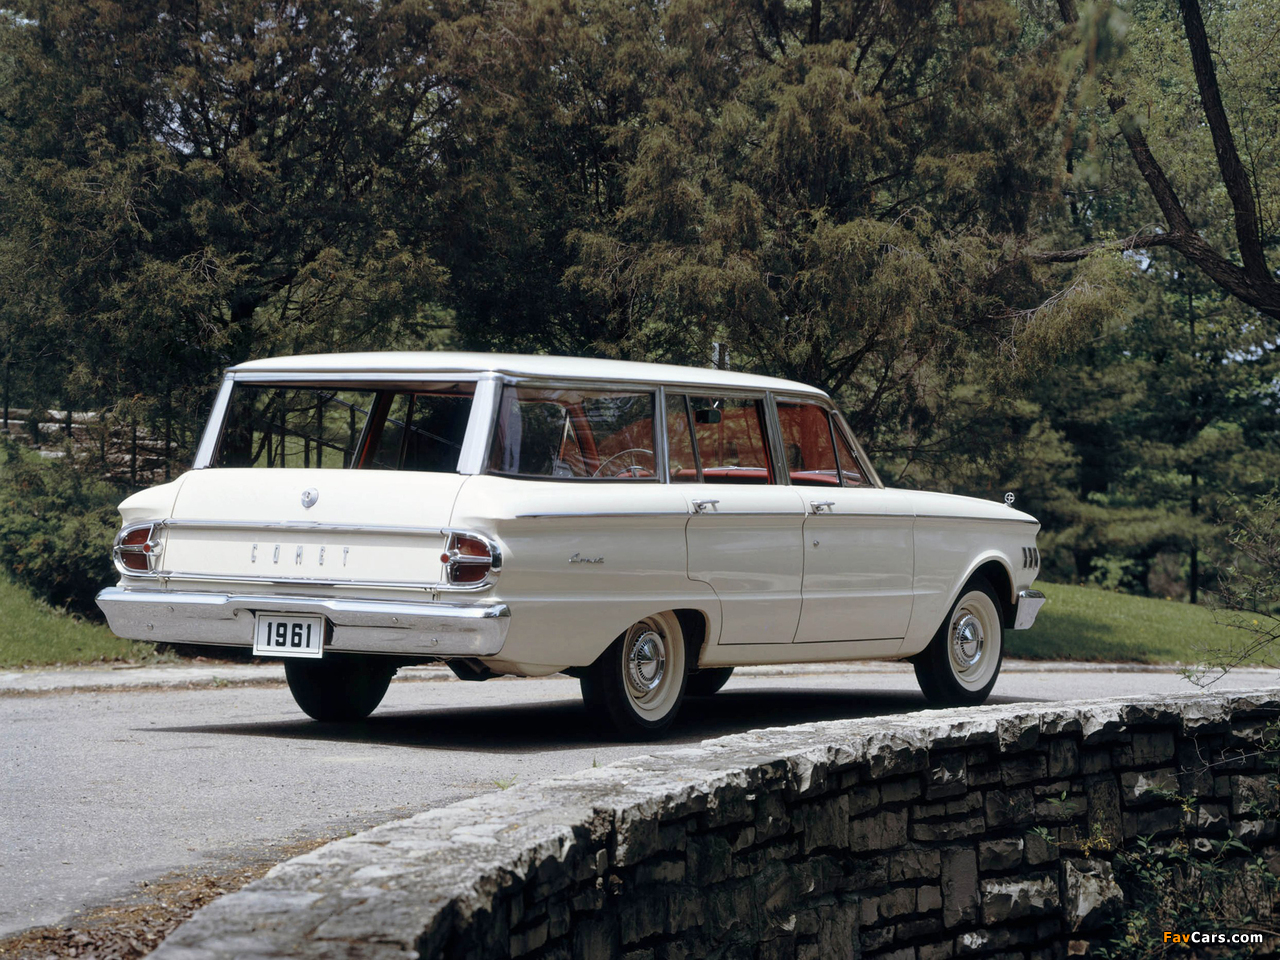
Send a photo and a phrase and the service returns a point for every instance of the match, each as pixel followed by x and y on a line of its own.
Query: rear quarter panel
pixel 582 562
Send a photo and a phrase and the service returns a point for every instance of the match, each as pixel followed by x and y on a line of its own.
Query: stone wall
pixel 981 832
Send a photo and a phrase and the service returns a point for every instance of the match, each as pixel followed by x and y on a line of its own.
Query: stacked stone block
pixel 982 833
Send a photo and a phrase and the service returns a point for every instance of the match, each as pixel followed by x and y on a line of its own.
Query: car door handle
pixel 700 505
pixel 820 505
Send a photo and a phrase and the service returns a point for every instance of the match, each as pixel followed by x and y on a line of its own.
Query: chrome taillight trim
pixel 455 559
pixel 151 548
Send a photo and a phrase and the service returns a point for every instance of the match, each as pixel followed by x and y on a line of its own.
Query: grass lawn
pixel 33 634
pixel 1077 623
pixel 1083 623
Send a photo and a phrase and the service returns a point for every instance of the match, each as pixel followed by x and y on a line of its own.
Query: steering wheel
pixel 631 468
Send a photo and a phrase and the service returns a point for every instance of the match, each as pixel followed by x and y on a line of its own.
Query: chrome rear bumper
pixel 1029 604
pixel 359 626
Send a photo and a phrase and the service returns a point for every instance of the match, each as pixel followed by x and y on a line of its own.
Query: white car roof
pixel 433 363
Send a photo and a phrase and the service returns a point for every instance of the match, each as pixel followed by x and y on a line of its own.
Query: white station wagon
pixel 644 528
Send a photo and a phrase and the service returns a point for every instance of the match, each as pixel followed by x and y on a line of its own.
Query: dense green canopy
pixel 1010 238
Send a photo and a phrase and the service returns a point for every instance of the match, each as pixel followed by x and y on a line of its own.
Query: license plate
pixel 277 635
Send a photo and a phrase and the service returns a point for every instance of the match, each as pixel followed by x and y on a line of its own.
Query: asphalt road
pixel 104 789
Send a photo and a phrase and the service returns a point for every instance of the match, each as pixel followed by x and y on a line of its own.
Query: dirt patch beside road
pixel 133 926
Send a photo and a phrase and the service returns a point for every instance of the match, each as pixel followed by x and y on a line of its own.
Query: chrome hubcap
pixel 967 641
pixel 646 662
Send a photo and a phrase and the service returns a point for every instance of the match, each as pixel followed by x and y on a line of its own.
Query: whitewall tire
pixel 638 683
pixel 962 661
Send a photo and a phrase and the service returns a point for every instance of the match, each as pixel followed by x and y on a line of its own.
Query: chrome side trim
pixel 1029 604
pixel 600 516
pixel 310 526
pixel 364 626
pixel 187 576
pixel 940 516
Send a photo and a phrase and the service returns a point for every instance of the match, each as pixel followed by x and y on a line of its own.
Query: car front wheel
pixel 636 686
pixel 962 661
pixel 337 689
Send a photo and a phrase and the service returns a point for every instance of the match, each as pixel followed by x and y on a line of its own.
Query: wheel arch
pixel 997 574
pixel 695 625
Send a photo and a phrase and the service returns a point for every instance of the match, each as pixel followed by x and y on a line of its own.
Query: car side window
pixel 851 471
pixel 807 446
pixel 572 434
pixel 730 437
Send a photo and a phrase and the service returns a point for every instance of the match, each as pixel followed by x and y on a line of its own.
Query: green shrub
pixel 56 529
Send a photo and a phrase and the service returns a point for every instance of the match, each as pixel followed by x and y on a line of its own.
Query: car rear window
pixel 574 434
pixel 417 428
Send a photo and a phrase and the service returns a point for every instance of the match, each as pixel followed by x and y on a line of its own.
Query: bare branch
pixel 1139 241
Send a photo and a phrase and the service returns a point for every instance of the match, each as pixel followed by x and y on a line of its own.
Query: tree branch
pixel 1234 177
pixel 1139 241
pixel 1150 168
pixel 1260 292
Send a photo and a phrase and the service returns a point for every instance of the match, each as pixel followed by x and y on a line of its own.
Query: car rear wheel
pixel 337 689
pixel 705 682
pixel 962 661
pixel 636 686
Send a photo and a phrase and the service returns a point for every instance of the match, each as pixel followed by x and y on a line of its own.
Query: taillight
pixel 469 560
pixel 137 549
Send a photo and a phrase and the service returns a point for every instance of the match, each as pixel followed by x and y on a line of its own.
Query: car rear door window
pixel 730 437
